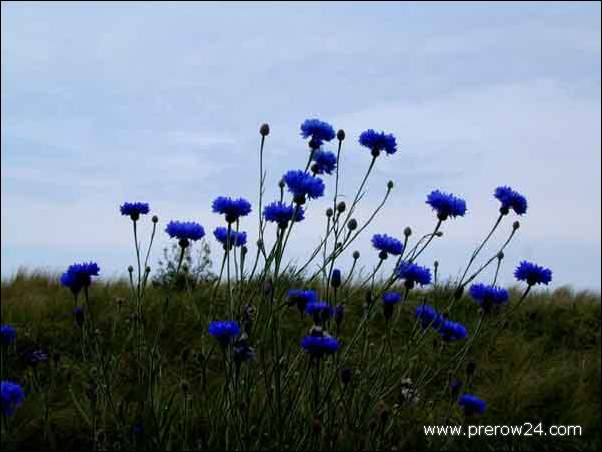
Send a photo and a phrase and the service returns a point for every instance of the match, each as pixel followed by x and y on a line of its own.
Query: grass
pixel 542 364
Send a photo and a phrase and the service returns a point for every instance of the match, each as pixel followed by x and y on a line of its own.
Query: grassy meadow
pixel 539 364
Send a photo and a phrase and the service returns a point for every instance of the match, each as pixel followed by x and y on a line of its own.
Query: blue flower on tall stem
pixel 452 331
pixel 319 310
pixel 79 276
pixel 533 274
pixel 446 205
pixel 185 231
pixel 387 245
pixel 224 331
pixel 413 274
pixel 488 296
pixel 11 397
pixel 236 238
pixel 428 316
pixel 324 162
pixel 390 299
pixel 472 404
pixel 510 199
pixel 319 346
pixel 134 209
pixel 8 334
pixel 317 131
pixel 281 213
pixel 301 298
pixel 233 209
pixel 378 141
pixel 302 185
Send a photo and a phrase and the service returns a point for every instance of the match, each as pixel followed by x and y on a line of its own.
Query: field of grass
pixel 101 388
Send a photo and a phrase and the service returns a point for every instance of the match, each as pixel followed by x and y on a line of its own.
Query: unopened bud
pixel 439 233
pixel 155 218
pixel 341 207
pixel 130 269
pixel 264 130
pixel 516 225
pixel 356 254
pixel 341 135
pixel 407 231
pixel 500 255
pixel 390 184
pixel 352 224
pixel 329 212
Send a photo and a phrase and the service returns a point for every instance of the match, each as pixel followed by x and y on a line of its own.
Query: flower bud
pixel 335 280
pixel 500 255
pixel 382 255
pixel 439 233
pixel 356 255
pixel 407 231
pixel 341 135
pixel 130 269
pixel 329 212
pixel 155 219
pixel 352 224
pixel 390 185
pixel 516 225
pixel 341 207
pixel 264 130
pixel 281 183
pixel 436 264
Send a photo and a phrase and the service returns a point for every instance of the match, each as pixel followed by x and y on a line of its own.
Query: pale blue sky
pixel 161 102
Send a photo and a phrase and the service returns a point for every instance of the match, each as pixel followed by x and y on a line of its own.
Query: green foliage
pixel 540 365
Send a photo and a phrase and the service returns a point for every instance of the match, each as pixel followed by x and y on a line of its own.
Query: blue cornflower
pixel 8 334
pixel 318 132
pixel 387 245
pixel 324 162
pixel 224 331
pixel 391 297
pixel 236 238
pixel 134 209
pixel 79 276
pixel 185 231
pixel 533 273
pixel 11 397
pixel 472 404
pixel 319 310
pixel 428 316
pixel 446 205
pixel 510 199
pixel 488 296
pixel 413 274
pixel 301 298
pixel 303 185
pixel 378 141
pixel 232 208
pixel 281 213
pixel 319 346
pixel 452 331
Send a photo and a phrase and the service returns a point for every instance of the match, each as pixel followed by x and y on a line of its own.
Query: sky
pixel 161 102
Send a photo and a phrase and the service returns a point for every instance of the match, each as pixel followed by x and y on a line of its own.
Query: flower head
pixel 510 199
pixel 472 404
pixel 318 132
pixel 303 185
pixel 413 273
pixel 428 316
pixel 389 245
pixel 232 208
pixel 134 209
pixel 452 331
pixel 320 345
pixel 324 162
pixel 11 397
pixel 301 298
pixel 7 334
pixel 185 231
pixel 236 238
pixel 319 310
pixel 533 273
pixel 391 297
pixel 224 331
pixel 487 296
pixel 281 213
pixel 335 278
pixel 378 141
pixel 79 276
pixel 446 205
